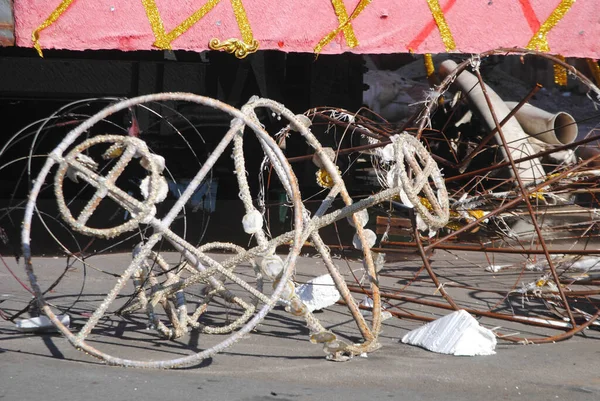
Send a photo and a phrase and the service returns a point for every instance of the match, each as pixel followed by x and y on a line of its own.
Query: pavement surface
pixel 275 362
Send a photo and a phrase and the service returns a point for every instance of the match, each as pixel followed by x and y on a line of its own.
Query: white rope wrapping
pixel 415 170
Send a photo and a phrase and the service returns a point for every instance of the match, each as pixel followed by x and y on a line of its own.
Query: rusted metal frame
pixel 546 295
pixel 407 315
pixel 490 135
pixel 395 313
pixel 524 191
pixel 360 149
pixel 477 312
pixel 502 51
pixel 382 137
pixel 578 293
pixel 442 132
pixel 508 205
pixel 450 164
pixel 571 69
pixel 473 248
pixel 453 110
pixel 358 129
pixel 468 187
pixel 430 104
pixel 585 191
pixel 524 159
pixel 581 282
pixel 426 264
pixel 545 340
pixel 343 151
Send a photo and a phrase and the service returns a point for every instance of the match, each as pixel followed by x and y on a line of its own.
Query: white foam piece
pixel 41 323
pixel 496 268
pixel 589 263
pixel 455 334
pixel 318 293
pixel 368 303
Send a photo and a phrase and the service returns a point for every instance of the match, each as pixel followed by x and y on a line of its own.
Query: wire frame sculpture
pixel 98 162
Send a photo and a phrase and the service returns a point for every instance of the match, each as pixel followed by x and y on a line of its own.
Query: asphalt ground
pixel 276 361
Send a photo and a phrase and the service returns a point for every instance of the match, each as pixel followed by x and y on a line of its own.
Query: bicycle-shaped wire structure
pixel 76 159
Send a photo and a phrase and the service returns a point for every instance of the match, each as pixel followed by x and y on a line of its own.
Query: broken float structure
pixel 515 210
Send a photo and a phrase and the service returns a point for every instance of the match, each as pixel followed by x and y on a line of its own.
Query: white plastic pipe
pixel 554 129
pixel 516 138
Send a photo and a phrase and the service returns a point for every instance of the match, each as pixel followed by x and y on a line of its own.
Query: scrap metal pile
pixel 505 191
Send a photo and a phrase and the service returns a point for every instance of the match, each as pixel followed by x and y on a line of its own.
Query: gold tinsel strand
pixel 242 20
pixel 540 39
pixel 35 35
pixel 329 37
pixel 595 69
pixel 342 15
pixel 163 39
pixel 429 67
pixel 240 48
pixel 324 180
pixel 537 196
pixel 191 20
pixel 560 73
pixel 440 20
pixel 157 25
pixel 455 222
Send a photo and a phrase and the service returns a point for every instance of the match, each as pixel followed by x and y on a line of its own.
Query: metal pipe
pixel 554 129
pixel 494 315
pixel 475 91
pixel 473 248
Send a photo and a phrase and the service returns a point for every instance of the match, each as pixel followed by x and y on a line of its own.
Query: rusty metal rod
pixel 523 159
pixel 453 165
pixel 474 248
pixel 343 151
pixel 532 214
pixel 494 315
pixel 425 259
pixel 513 202
pixel 395 313
pixel 545 340
pixel 356 128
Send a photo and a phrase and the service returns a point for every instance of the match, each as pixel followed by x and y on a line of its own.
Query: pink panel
pixel 385 26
